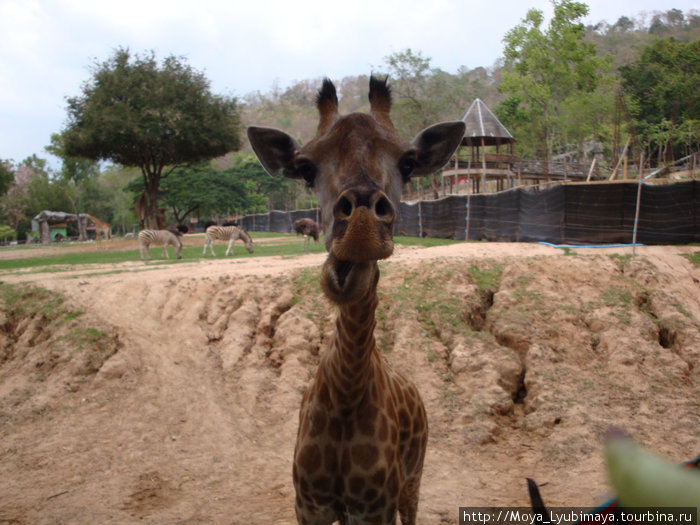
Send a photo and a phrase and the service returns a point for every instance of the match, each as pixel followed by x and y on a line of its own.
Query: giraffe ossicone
pixel 362 425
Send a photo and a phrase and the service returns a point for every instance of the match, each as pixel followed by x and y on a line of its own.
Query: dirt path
pixel 192 416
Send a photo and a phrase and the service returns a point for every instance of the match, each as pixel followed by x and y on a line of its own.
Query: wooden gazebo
pixel 491 150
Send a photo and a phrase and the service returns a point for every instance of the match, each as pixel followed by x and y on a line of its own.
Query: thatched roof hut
pixel 47 220
pixel 483 128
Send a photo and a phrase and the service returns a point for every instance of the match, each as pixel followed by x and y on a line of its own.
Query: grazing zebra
pixel 164 237
pixel 226 233
pixel 306 227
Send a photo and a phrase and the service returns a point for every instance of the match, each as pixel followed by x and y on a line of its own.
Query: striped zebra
pixel 164 237
pixel 226 233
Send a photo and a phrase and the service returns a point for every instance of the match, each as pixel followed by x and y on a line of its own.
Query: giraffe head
pixel 356 165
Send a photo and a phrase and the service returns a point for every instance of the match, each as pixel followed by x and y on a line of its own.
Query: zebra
pixel 164 237
pixel 226 233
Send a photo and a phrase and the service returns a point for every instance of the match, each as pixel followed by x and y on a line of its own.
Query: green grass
pixel 28 300
pixel 291 246
pixel 486 278
pixel 693 258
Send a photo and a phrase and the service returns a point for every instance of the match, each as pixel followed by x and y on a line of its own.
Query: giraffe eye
pixel 307 171
pixel 407 164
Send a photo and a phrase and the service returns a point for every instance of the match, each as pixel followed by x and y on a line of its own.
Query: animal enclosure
pixel 571 213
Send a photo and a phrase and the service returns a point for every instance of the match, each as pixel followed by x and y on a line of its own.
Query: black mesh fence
pixel 569 214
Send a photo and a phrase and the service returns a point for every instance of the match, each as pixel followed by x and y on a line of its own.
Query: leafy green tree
pixel 73 177
pixel 544 69
pixel 663 96
pixel 138 113
pixel 6 176
pixel 204 190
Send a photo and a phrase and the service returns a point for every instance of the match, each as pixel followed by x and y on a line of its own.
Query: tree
pixel 6 176
pixel 156 118
pixel 73 177
pixel 545 68
pixel 203 190
pixel 663 96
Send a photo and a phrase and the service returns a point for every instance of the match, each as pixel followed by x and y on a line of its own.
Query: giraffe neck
pixel 349 366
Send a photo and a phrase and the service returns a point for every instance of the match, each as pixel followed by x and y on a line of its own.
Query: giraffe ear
pixel 435 145
pixel 274 148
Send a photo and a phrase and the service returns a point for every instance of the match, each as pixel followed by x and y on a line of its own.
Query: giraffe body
pixel 362 431
pixel 362 426
pixel 102 229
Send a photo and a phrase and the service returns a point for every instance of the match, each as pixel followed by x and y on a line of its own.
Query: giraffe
pixel 363 428
pixel 102 229
pixel 306 227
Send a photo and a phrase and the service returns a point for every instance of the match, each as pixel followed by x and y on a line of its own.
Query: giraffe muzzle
pixel 363 224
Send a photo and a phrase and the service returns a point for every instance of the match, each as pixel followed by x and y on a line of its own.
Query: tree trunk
pixel 152 203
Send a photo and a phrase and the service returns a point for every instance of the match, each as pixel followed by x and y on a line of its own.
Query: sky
pixel 47 47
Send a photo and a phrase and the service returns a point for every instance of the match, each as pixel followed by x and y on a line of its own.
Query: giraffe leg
pixel 408 501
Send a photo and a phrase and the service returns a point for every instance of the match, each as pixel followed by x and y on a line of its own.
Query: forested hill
pixel 414 77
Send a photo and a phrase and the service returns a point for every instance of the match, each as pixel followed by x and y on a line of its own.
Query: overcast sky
pixel 47 47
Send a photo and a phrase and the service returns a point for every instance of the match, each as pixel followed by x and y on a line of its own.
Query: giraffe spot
pixel 392 484
pixel 335 429
pixel 379 477
pixel 339 485
pixel 377 505
pixel 348 430
pixel 356 484
pixel 318 423
pixel 303 488
pixel 410 402
pixel 394 433
pixel 373 393
pixel 367 417
pixel 330 459
pixel 309 459
pixel 324 396
pixel 389 454
pixel 322 484
pixel 383 428
pixel 404 419
pixel 365 456
pixel 355 506
pixel 345 463
pixel 412 454
pixel 418 424
pixel 370 494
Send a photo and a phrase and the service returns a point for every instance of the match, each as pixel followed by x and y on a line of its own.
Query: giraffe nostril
pixel 382 207
pixel 343 208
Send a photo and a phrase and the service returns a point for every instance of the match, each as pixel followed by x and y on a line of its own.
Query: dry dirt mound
pixel 171 394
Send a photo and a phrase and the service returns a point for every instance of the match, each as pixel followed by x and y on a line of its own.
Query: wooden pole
pixel 590 171
pixel 639 198
pixel 619 161
pixel 483 165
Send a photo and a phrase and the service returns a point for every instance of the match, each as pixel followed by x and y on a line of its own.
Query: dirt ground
pixel 182 408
